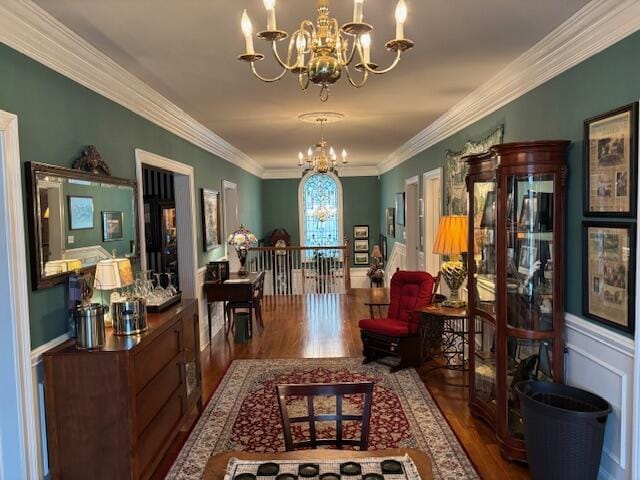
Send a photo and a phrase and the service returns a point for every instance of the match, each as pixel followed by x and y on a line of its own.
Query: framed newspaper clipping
pixel 608 275
pixel 611 155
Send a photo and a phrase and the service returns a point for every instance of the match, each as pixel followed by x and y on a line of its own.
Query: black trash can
pixel 242 322
pixel 563 430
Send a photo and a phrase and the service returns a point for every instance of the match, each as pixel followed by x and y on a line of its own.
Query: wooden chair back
pixel 339 390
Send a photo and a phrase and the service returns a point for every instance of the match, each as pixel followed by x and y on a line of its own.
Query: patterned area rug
pixel 243 414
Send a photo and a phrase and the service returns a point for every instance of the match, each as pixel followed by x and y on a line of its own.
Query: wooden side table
pixel 444 329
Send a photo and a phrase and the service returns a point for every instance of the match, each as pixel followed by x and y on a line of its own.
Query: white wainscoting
pixel 217 319
pixel 601 361
pixel 359 278
pixel 37 371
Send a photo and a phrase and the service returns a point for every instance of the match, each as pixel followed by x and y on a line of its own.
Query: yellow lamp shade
pixel 113 273
pixel 376 253
pixel 452 235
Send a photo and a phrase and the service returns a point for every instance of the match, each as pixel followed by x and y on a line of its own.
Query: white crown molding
pixel 349 171
pixel 598 25
pixel 32 31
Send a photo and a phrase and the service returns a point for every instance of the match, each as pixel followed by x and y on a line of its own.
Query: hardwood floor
pixel 322 326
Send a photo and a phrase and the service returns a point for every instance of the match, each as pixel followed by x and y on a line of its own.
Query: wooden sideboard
pixel 112 413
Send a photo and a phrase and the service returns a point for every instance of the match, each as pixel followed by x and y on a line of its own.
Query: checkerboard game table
pixel 217 465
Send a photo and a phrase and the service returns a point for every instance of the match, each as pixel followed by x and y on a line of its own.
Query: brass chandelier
pixel 318 53
pixel 321 158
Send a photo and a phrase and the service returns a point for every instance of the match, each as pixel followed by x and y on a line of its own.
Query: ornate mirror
pixel 77 219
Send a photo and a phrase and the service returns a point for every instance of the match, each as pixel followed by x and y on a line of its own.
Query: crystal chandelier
pixel 321 158
pixel 322 213
pixel 318 53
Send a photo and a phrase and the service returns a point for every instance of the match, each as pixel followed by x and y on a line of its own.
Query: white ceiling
pixel 187 49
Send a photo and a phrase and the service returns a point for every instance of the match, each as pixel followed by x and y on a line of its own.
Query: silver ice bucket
pixel 89 321
pixel 129 316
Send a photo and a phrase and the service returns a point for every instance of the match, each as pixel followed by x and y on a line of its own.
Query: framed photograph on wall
pixel 112 226
pixel 608 274
pixel 361 245
pixel 361 258
pixel 391 221
pixel 383 247
pixel 217 272
pixel 610 159
pixel 361 231
pixel 400 197
pixel 210 219
pixel 80 212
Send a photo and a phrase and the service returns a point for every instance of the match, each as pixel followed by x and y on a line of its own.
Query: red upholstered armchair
pixel 398 335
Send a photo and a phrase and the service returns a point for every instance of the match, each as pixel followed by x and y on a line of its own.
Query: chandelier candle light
pixel 319 52
pixel 241 240
pixel 451 240
pixel 318 158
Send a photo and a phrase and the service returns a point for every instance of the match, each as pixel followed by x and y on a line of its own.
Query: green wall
pixel 58 118
pixel 555 110
pixel 361 197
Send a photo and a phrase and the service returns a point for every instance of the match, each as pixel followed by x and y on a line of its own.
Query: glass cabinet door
pixel 484 375
pixel 529 252
pixel 484 245
pixel 529 277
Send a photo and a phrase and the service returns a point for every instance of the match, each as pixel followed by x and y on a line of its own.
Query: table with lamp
pixel 444 326
pixel 238 288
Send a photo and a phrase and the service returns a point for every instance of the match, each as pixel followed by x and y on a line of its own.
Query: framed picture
pixel 361 245
pixel 391 221
pixel 80 212
pixel 361 231
pixel 210 219
pixel 527 259
pixel 383 247
pixel 611 156
pixel 217 271
pixel 608 274
pixel 112 226
pixel 400 208
pixel 361 258
pixel 536 211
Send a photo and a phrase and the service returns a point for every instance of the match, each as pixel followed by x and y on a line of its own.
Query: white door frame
pixel 234 263
pixel 412 222
pixel 185 193
pixel 18 428
pixel 431 220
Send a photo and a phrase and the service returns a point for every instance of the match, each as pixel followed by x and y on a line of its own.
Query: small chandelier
pixel 321 158
pixel 318 53
pixel 322 213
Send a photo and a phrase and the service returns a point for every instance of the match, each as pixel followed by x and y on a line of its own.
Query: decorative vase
pixel 242 256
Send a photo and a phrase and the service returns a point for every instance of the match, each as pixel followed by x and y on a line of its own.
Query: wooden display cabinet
pixel 515 283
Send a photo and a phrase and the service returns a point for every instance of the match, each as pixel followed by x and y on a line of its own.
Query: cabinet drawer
pixel 149 449
pixel 150 361
pixel 152 397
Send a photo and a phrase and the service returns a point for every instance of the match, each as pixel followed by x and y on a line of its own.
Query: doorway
pixel 432 188
pixel 19 440
pixel 412 222
pixel 161 237
pixel 230 208
pixel 185 218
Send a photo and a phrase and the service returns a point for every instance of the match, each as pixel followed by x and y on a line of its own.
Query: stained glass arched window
pixel 320 207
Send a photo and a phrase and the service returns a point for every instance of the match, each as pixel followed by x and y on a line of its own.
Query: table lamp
pixel 451 241
pixel 241 240
pixel 376 254
pixel 113 274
